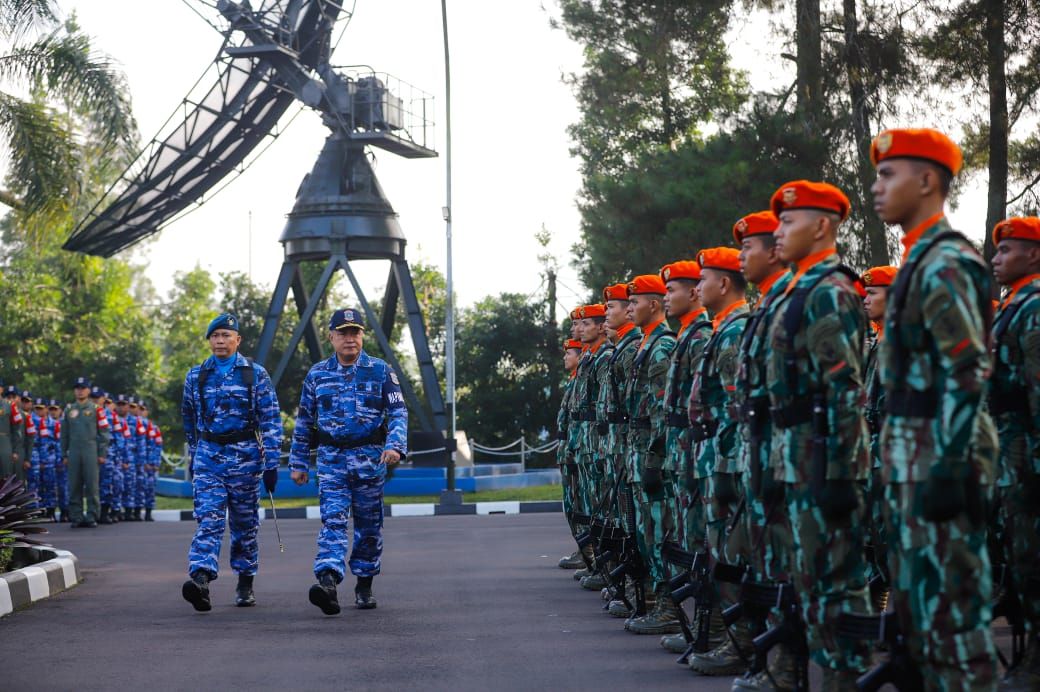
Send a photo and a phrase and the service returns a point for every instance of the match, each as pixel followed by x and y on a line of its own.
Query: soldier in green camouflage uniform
pixel 819 452
pixel 713 396
pixel 575 440
pixel 938 443
pixel 682 303
pixel 765 518
pixel 12 428
pixel 591 462
pixel 651 485
pixel 876 282
pixel 568 472
pixel 1015 406
pixel 611 405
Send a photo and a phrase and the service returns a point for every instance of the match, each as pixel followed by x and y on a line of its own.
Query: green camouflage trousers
pixel 693 505
pixel 1020 548
pixel 727 535
pixel 569 480
pixel 590 483
pixel 942 589
pixel 655 521
pixel 770 542
pixel 831 577
pixel 874 495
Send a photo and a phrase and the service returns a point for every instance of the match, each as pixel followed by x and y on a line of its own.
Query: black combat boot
pixel 50 515
pixel 137 514
pixel 323 594
pixel 244 590
pixel 363 598
pixel 65 515
pixel 105 518
pixel 148 514
pixel 126 514
pixel 115 516
pixel 196 591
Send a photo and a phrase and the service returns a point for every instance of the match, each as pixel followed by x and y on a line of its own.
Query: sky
pixel 512 170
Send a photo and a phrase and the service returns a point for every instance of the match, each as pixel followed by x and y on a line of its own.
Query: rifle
pixel 819 444
pixel 1009 606
pixel 694 582
pixel 899 670
pixel 761 598
pixel 630 562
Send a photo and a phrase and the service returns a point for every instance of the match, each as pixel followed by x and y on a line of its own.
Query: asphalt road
pixel 465 603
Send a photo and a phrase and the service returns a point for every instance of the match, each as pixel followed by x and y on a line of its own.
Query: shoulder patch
pixel 393 377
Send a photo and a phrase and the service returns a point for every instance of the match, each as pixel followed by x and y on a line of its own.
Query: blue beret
pixel 224 321
pixel 96 392
pixel 82 382
pixel 11 390
pixel 343 319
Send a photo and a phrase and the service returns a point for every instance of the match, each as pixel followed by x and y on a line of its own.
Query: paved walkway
pixel 466 603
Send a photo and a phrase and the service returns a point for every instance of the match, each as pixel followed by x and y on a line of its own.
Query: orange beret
pixel 572 343
pixel 575 314
pixel 805 194
pixel 1021 228
pixel 923 143
pixel 879 276
pixel 646 284
pixel 722 258
pixel 595 310
pixel 683 269
pixel 615 292
pixel 759 223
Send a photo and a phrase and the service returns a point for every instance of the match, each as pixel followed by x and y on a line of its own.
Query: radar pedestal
pixel 342 215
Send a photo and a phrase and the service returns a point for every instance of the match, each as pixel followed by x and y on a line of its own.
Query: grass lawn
pixel 538 492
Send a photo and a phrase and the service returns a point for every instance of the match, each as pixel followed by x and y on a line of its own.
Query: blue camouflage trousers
pixel 148 489
pixel 350 482
pixel 46 483
pixel 61 484
pixel 226 482
pixel 132 479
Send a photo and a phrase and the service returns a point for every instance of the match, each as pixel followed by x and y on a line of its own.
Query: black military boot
pixel 244 591
pixel 126 514
pixel 196 591
pixel 115 516
pixel 50 515
pixel 105 518
pixel 363 598
pixel 137 514
pixel 64 514
pixel 148 514
pixel 323 594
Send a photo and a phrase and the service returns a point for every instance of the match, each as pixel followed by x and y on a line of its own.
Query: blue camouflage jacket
pixel 228 408
pixel 349 403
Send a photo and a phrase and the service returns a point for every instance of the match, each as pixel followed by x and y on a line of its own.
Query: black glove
pixel 653 481
pixel 772 489
pixel 838 499
pixel 270 480
pixel 944 498
pixel 1031 492
pixel 724 485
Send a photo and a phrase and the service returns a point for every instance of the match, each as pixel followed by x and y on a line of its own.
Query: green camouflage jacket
pixel 644 401
pixel 576 426
pixel 874 410
pixel 563 423
pixel 599 367
pixel 683 365
pixel 822 359
pixel 751 371
pixel 1015 383
pixel 714 392
pixel 937 347
pixel 610 404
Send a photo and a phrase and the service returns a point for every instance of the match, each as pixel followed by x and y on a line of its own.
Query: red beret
pixel 879 276
pixel 722 258
pixel 683 269
pixel 595 310
pixel 1021 228
pixel 805 194
pixel 572 343
pixel 759 223
pixel 924 144
pixel 646 284
pixel 615 292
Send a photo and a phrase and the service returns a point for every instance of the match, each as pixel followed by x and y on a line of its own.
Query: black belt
pixel 1004 402
pixel 602 428
pixel 586 416
pixel 617 417
pixel 229 437
pixel 373 438
pixel 561 434
pixel 678 420
pixel 799 411
pixel 754 412
pixel 910 403
pixel 639 423
pixel 703 429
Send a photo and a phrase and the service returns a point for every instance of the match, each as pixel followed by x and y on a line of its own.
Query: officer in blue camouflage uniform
pixel 152 459
pixel 61 471
pixel 97 397
pixel 132 464
pixel 1015 405
pixel 116 455
pixel 938 444
pixel 353 412
pixel 41 476
pixel 233 428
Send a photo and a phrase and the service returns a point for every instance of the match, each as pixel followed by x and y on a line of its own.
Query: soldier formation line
pixel 845 472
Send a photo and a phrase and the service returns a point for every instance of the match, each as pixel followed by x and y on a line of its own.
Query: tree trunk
pixel 810 61
pixel 875 250
pixel 996 207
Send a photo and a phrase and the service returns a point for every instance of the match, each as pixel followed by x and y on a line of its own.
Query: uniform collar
pixel 211 362
pixel 717 321
pixel 879 329
pixel 650 329
pixel 767 284
pixel 624 329
pixel 806 264
pixel 363 361
pixel 1014 288
pixel 910 239
pixel 689 318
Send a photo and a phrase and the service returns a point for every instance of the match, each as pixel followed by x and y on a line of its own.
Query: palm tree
pixel 47 66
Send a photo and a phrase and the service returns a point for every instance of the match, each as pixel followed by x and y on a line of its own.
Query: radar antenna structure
pixel 272 57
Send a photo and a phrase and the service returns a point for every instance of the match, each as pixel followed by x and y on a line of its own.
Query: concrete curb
pixel 21 587
pixel 428 509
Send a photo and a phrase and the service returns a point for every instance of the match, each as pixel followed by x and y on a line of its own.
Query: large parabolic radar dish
pixel 214 130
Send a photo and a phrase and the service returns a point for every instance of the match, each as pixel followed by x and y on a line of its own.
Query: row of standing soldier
pixel 95 460
pixel 821 469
